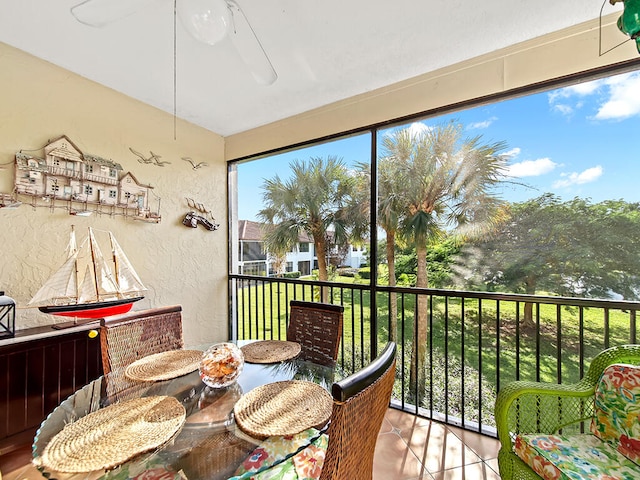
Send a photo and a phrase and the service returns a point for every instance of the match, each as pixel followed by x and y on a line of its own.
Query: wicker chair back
pixel 360 402
pixel 317 327
pixel 126 338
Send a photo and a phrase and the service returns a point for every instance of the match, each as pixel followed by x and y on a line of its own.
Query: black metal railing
pixel 469 343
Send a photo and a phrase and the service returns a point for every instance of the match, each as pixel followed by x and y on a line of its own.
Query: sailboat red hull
pixel 91 310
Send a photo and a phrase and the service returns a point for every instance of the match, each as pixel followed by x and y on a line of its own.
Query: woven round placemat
pixel 112 435
pixel 164 365
pixel 283 408
pixel 270 351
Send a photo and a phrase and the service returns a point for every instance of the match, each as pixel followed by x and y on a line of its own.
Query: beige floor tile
pixel 493 463
pixel 403 420
pixel 393 460
pixel 473 471
pixel 386 426
pixel 485 447
pixel 438 448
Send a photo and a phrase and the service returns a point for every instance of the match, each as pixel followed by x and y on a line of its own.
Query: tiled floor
pixel 408 448
pixel 411 448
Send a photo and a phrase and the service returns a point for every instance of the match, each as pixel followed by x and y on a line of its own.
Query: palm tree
pixel 446 186
pixel 389 206
pixel 312 200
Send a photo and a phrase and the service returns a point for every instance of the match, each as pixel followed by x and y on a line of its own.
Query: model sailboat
pixel 102 291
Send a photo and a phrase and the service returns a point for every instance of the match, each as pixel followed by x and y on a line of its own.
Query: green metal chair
pixel 532 407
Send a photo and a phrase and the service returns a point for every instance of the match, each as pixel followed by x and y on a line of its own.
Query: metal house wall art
pixel 82 183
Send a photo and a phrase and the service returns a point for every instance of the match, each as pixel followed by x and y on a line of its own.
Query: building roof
pixel 254 231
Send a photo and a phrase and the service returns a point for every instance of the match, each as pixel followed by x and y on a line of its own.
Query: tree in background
pixel 311 200
pixel 446 187
pixel 390 206
pixel 441 256
pixel 572 248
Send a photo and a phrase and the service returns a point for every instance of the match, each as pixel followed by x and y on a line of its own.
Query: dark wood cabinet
pixel 36 375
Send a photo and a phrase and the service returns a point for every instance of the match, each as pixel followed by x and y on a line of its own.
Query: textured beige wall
pixel 180 265
pixel 552 56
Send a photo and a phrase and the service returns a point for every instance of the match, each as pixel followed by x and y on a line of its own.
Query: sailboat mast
pixel 93 261
pixel 73 248
pixel 115 262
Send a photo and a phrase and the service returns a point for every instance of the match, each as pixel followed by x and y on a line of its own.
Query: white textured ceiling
pixel 322 51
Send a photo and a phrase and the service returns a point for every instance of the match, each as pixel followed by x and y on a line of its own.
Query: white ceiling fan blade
pixel 98 13
pixel 249 47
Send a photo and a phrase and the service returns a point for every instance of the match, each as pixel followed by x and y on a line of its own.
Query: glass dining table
pixel 210 445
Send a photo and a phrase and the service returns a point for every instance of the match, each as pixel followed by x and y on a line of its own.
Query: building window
pixel 113 173
pixel 88 168
pixel 55 188
pixel 113 194
pixel 303 247
pixel 88 189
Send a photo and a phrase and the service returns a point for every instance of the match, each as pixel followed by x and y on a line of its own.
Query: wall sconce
pixel 629 21
pixel 7 316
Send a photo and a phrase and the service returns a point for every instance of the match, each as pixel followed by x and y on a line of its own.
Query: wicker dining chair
pixel 127 337
pixel 360 402
pixel 317 327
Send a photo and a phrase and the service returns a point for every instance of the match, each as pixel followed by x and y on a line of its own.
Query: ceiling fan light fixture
pixel 206 20
pixel 629 21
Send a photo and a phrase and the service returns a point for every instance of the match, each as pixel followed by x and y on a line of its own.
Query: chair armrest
pixel 535 407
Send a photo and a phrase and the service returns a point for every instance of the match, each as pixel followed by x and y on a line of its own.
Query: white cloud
pixel 616 97
pixel 579 90
pixel 514 152
pixel 623 99
pixel 587 176
pixel 531 168
pixel 563 108
pixel 416 128
pixel 481 125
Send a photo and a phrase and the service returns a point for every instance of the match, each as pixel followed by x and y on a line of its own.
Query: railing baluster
pixel 517 340
pixel 581 341
pixel 606 328
pixel 480 371
pixel 446 359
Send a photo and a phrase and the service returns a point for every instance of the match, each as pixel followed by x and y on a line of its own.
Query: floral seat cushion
pixel 276 458
pixel 617 409
pixel 574 457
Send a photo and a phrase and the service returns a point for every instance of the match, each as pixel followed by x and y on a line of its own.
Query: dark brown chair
pixel 317 327
pixel 127 337
pixel 360 402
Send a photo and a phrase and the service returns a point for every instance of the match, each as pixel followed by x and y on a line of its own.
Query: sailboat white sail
pixel 103 291
pixel 126 277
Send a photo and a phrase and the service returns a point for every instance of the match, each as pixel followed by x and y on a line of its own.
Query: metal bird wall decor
pixel 153 159
pixel 195 165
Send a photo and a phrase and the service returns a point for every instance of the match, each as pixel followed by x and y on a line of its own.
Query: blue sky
pixel 575 141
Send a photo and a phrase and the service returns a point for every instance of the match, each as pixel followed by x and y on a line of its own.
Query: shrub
pixel 347 272
pixel 365 273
